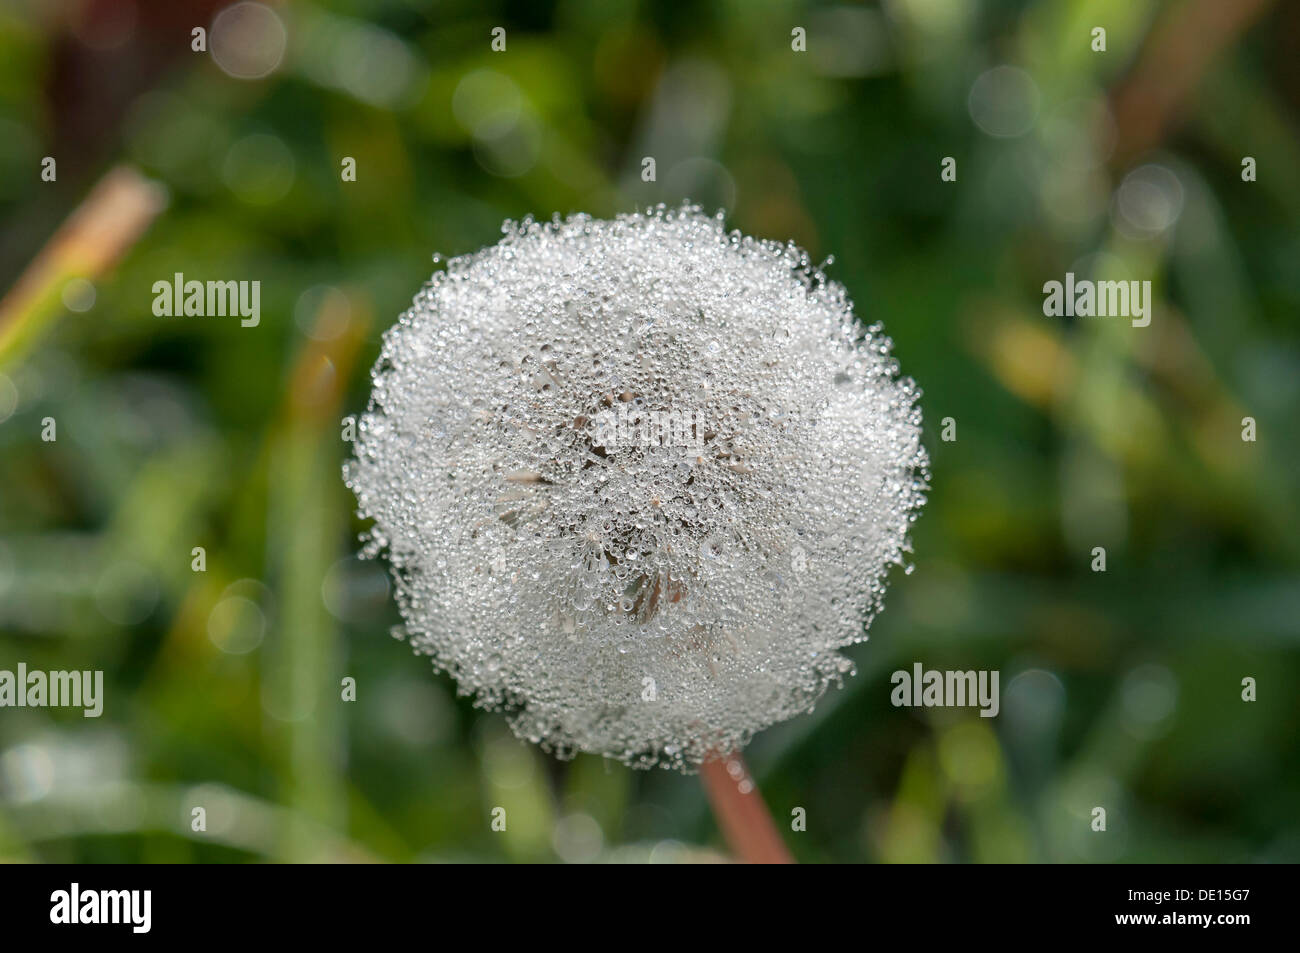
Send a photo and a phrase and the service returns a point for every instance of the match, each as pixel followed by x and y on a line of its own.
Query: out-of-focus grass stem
pixel 99 232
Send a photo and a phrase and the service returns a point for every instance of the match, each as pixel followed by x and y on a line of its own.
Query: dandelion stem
pixel 742 816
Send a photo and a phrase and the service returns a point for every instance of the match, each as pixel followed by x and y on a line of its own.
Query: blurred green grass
pixel 1120 688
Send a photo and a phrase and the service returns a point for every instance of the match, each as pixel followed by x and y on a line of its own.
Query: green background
pixel 1120 689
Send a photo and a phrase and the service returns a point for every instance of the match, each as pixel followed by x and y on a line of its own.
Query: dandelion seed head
pixel 654 596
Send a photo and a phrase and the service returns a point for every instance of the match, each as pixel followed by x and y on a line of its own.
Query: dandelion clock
pixel 639 481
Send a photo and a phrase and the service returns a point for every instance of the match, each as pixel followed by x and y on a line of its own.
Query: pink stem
pixel 741 813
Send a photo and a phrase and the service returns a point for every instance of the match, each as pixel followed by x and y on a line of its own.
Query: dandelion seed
pixel 551 569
